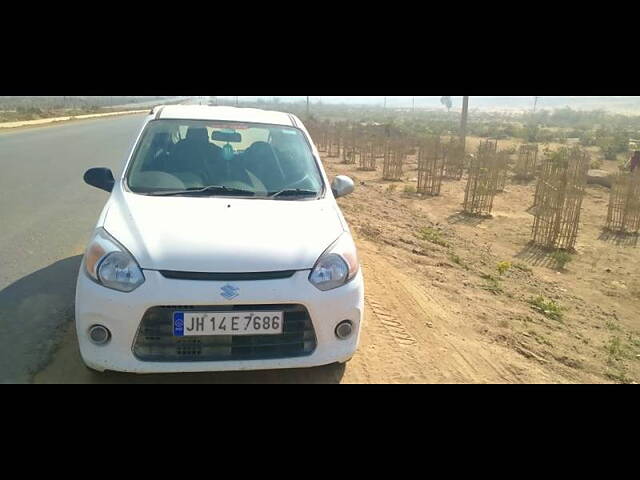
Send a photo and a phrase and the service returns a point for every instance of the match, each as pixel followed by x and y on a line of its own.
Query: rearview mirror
pixel 341 186
pixel 226 136
pixel 101 178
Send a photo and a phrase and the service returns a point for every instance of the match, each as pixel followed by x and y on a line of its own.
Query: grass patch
pixel 433 236
pixel 561 257
pixel 410 189
pixel 392 187
pixel 612 325
pixel 523 267
pixel 634 341
pixel 492 284
pixel 614 348
pixel 619 377
pixel 541 339
pixel 458 261
pixel 547 307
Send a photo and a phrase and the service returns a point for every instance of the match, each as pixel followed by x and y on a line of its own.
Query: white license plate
pixel 188 324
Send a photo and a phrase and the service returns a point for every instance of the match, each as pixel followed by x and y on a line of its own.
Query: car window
pixel 191 154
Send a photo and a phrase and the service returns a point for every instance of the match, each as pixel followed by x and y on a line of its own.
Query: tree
pixel 446 101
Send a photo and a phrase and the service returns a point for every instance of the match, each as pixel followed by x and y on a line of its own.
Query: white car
pixel 221 247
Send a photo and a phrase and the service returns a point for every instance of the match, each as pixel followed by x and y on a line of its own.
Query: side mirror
pixel 101 178
pixel 341 186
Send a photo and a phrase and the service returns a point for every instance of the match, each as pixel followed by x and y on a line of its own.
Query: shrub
pixel 596 164
pixel 503 267
pixel 548 308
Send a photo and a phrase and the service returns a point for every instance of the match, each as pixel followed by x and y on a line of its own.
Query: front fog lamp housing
pixel 99 335
pixel 336 266
pixel 344 329
pixel 111 265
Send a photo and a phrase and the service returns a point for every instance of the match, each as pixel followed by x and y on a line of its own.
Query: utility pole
pixel 307 107
pixel 385 103
pixel 463 122
pixel 535 103
pixel 236 101
pixel 413 104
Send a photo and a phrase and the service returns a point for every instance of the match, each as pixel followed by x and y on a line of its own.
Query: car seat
pixel 261 160
pixel 158 153
pixel 189 157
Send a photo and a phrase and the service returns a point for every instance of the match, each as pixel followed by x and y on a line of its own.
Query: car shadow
pixel 38 340
pixel 34 312
pixel 328 374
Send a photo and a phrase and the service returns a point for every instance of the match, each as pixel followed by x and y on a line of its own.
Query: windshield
pixel 223 159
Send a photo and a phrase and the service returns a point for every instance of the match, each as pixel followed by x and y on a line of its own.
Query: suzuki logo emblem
pixel 229 291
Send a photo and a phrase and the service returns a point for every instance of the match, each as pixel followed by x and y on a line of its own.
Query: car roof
pixel 234 114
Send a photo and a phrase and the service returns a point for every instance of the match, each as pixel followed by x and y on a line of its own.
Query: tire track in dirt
pixel 386 287
pixel 425 339
pixel 429 307
pixel 393 326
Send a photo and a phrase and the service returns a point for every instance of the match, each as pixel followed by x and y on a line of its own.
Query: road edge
pixel 13 126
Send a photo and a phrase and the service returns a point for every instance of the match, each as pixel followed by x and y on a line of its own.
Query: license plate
pixel 188 324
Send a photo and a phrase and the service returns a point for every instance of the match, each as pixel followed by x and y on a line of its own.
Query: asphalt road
pixel 47 214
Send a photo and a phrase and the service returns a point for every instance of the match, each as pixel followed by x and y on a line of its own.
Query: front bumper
pixel 122 313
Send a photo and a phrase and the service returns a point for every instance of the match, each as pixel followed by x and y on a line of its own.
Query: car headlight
pixel 110 264
pixel 336 266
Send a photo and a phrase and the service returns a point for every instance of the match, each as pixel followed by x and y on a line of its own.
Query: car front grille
pixel 227 277
pixel 155 342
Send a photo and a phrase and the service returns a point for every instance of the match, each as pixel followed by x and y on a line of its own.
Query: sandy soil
pixel 438 311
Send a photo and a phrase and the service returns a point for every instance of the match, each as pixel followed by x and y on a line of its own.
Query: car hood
pixel 213 234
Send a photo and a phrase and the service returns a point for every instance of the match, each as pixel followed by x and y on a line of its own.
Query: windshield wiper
pixel 211 189
pixel 292 192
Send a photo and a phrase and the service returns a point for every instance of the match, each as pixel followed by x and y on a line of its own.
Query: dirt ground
pixel 437 309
